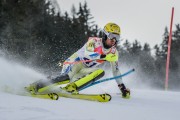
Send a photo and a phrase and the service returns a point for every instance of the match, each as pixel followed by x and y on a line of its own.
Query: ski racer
pixel 95 52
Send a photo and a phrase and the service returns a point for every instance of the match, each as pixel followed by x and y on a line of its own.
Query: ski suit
pixel 93 49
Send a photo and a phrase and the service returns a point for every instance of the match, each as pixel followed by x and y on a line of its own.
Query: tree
pixel 164 44
pixel 136 48
pixel 147 49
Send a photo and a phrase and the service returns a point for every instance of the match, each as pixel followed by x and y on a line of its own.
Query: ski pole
pixel 108 79
pixel 76 62
pixel 87 60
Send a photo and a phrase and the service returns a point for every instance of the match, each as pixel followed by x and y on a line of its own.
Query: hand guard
pixel 125 91
pixel 110 57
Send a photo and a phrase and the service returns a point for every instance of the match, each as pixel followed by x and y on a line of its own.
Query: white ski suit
pixel 93 49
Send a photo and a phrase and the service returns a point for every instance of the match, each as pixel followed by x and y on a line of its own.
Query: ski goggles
pixel 113 36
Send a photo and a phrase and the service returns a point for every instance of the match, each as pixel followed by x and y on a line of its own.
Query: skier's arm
pixel 116 72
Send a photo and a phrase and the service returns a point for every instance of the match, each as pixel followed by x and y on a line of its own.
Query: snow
pixel 143 105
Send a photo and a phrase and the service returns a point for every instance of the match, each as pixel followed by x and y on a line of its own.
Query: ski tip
pixel 109 96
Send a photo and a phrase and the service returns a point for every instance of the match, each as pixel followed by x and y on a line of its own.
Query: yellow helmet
pixel 112 28
pixel 111 31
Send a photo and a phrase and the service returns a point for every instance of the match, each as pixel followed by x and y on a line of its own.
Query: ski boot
pixel 35 88
pixel 41 86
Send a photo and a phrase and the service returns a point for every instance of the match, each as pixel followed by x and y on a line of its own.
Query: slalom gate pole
pixel 169 50
pixel 108 79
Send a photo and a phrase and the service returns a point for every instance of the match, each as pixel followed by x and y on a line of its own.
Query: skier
pixel 96 51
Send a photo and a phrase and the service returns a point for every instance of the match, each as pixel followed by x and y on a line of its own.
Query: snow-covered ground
pixel 143 105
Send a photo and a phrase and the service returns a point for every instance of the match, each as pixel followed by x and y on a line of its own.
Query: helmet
pixel 112 28
pixel 111 31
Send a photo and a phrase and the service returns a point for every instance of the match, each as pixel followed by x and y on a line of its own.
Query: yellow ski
pixel 92 97
pixel 51 96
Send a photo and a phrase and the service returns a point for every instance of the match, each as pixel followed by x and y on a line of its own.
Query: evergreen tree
pixel 127 46
pixel 164 44
pixel 174 59
pixel 147 48
pixel 136 48
pixel 157 50
pixel 176 40
pixel 147 64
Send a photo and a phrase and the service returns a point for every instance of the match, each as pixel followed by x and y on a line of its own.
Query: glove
pixel 125 91
pixel 110 57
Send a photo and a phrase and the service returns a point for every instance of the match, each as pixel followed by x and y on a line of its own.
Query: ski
pixel 55 93
pixel 51 96
pixel 91 97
